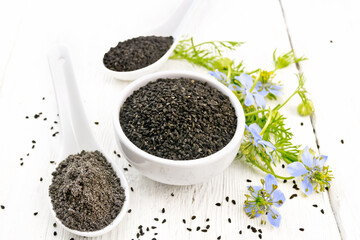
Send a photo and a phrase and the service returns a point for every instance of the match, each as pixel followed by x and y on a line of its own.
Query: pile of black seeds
pixel 178 119
pixel 85 192
pixel 137 53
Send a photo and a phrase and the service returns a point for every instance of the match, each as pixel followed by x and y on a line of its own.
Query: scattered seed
pixel 248 180
pixel 131 188
pixel 189 229
pixel 207 226
pixel 172 194
pixel 35 213
pixel 163 210
pixel 285 181
pixel 227 199
pixel 22 163
pixel 33 146
pixel 260 236
pixel 156 219
pixel 218 204
pixel 198 228
pixel 233 202
pixel 27 117
pixel 331 41
pixel 229 220
pixel 301 123
pixel 96 123
pixel 342 141
pixel 204 230
pixel 259 230
pixel 43 98
pixel 219 237
pixel 164 221
pixel 33 141
pixel 72 239
pixel 45 119
pixel 129 211
pixel 253 229
pixel 21 159
pixel 55 233
pixel 292 196
pixel 125 169
pixel 322 211
pixel 301 229
pixel 2 207
pixel 54 225
pixel 41 179
pixel 51 128
pixel 283 166
pixel 54 135
pixel 248 226
pixel 240 232
pixel 27 154
pixel 118 155
pixel 193 217
pixel 55 122
pixel 153 227
pixel 52 162
pixel 184 221
pixel 36 116
pixel 208 219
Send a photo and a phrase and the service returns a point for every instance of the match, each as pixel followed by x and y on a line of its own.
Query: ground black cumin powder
pixel 85 192
pixel 137 53
pixel 178 119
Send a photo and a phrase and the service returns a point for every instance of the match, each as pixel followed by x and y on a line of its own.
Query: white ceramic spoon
pixel 173 26
pixel 76 133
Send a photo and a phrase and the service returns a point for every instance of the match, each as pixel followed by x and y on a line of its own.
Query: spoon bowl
pixel 173 26
pixel 76 133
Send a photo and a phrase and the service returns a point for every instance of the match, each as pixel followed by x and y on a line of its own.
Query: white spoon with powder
pixel 76 133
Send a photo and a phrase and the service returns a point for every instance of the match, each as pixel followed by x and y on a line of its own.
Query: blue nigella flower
pixel 218 75
pixel 269 87
pixel 256 138
pixel 315 175
pixel 262 199
pixel 254 96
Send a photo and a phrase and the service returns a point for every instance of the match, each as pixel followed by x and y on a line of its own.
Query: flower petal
pixel 306 186
pixel 274 217
pixel 275 92
pixel 218 75
pixel 296 169
pixel 267 152
pixel 249 100
pixel 322 161
pixel 268 144
pixel 277 196
pixel 307 158
pixel 270 180
pixel 260 100
pixel 248 209
pixel 234 87
pixel 256 189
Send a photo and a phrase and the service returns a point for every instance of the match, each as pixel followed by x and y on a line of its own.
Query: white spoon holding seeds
pixel 173 26
pixel 76 133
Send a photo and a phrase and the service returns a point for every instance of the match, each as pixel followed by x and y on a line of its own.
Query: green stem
pixel 253 86
pixel 255 112
pixel 266 124
pixel 278 108
pixel 267 171
pixel 228 75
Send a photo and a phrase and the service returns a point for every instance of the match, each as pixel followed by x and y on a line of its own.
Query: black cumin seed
pixel 260 231
pixel 33 146
pixel 140 227
pixel 155 234
pixel 322 211
pixel 233 202
pixel 125 169
pixel 172 194
pixel 260 236
pixel 254 230
pixel 326 188
pixel 342 141
pixel 156 219
pixel 189 229
pixel 229 220
pixel 248 226
pixel 45 119
pixel 33 141
pixel 285 181
pixel 163 210
pixel 207 226
pixel 248 180
pixel 55 122
pixel 129 211
pixel 137 235
pixel 294 182
pixel 55 134
pixel 52 162
pixel 219 237
pixel 153 239
pixel 36 116
pixel 227 199
pixel 147 229
pixel 218 204
pixel 96 123
pixel 51 128
pixel 292 196
pixel 204 230
pixel 27 117
pixel 43 98
pixel 208 219
pixel 54 225
pixel 55 233
pixel 153 227
pixel 240 232
pixel 41 179
pixel 21 159
pixel 129 165
pixel 72 239
pixel 198 228
pixel 22 163
pixel 301 229
pixel 114 152
pixel 118 155
pixel 164 221
pixel 301 123
pixel 35 213
pixel 27 154
pixel 2 207
pixel 314 130
pixel 131 188
pixel 193 217
pixel 283 166
pixel 184 221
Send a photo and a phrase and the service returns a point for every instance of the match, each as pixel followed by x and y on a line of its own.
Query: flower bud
pixel 305 109
pixel 223 63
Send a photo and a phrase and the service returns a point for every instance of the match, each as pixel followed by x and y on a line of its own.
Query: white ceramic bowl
pixel 177 172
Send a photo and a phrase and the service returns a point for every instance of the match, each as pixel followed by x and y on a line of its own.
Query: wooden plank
pixel 327 33
pixel 259 23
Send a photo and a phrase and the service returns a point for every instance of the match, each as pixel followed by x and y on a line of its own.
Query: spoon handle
pixel 75 130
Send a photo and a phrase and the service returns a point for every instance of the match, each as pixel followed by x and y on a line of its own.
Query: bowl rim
pixel 135 85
